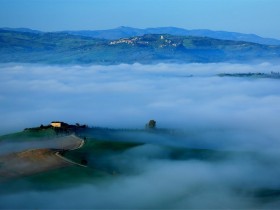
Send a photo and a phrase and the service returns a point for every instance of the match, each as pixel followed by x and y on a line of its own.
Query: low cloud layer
pixel 213 112
pixel 147 180
pixel 127 96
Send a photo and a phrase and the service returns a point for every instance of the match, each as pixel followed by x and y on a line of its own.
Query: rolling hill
pixel 64 48
pixel 126 32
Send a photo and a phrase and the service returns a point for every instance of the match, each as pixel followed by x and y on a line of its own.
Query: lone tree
pixel 151 124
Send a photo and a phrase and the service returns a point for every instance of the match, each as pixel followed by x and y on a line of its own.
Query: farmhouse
pixel 57 124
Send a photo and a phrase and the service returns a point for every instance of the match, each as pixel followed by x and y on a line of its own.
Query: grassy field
pixel 68 177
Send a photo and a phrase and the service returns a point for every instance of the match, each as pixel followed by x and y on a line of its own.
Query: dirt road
pixel 39 160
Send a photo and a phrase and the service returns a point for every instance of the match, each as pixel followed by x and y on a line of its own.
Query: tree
pixel 151 124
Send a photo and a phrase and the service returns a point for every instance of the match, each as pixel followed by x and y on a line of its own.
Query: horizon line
pixel 145 28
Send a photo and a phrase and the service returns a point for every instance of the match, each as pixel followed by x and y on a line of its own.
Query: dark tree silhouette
pixel 151 124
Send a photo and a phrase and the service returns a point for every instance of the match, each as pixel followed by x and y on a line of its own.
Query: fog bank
pixel 224 113
pixel 127 96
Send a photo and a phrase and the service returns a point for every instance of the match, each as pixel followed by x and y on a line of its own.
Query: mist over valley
pixel 141 104
pixel 215 144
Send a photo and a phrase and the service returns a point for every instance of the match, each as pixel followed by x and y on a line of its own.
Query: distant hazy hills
pixel 128 45
pixel 125 32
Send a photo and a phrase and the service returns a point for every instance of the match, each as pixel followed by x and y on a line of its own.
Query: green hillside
pixel 62 48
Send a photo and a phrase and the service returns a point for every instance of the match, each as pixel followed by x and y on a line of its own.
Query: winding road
pixel 44 157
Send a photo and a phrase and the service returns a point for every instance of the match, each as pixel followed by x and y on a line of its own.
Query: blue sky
pixel 248 16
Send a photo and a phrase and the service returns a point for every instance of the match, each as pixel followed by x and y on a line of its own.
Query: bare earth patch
pixel 38 160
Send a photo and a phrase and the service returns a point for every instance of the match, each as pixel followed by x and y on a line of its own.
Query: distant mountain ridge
pixel 21 30
pixel 126 32
pixel 65 48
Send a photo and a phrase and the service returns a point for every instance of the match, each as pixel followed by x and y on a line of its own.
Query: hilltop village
pixel 162 41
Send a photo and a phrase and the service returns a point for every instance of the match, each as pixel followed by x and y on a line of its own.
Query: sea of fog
pixel 224 113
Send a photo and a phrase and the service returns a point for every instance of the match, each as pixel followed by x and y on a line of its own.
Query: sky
pixel 246 16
